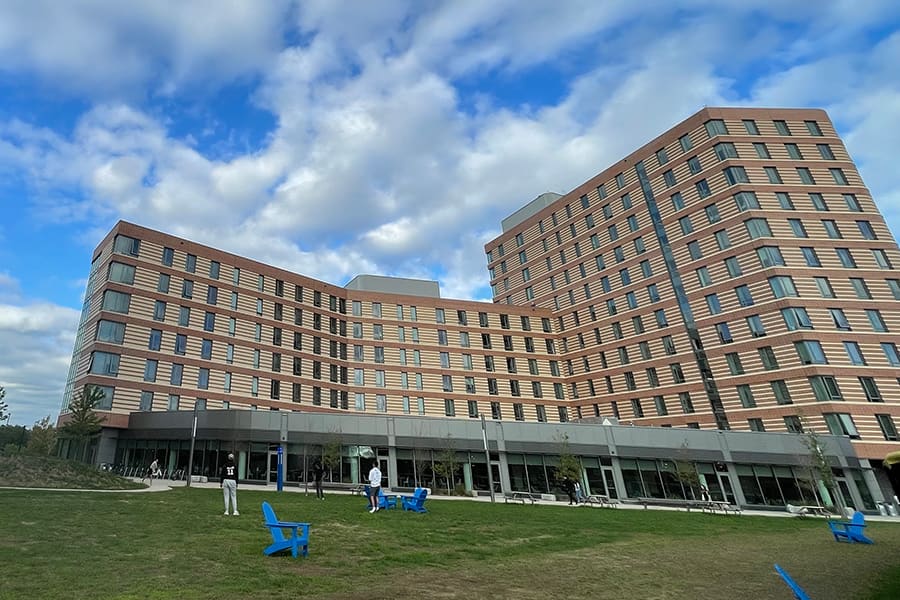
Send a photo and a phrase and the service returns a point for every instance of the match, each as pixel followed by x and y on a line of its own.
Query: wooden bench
pixel 519 497
pixel 601 500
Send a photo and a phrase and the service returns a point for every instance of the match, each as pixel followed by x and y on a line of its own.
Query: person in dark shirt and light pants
pixel 229 485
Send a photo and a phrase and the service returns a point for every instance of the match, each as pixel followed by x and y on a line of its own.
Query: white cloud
pixel 34 374
pixel 381 161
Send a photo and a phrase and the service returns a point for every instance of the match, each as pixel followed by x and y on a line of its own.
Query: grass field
pixel 177 544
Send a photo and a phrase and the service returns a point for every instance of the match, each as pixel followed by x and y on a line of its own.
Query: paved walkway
pixel 163 485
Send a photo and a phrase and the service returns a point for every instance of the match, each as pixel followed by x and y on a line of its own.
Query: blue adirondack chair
pixel 799 594
pixel 297 543
pixel 416 502
pixel 384 502
pixel 850 531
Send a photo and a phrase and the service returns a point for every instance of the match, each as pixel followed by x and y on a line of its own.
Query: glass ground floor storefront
pixel 457 456
pixel 762 485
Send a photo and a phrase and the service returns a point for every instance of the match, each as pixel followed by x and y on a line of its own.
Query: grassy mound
pixel 50 472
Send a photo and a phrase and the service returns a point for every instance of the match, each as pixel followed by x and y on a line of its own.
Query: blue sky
pixel 384 137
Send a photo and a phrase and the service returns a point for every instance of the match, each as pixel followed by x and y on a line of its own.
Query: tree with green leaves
pixel 569 466
pixel 43 438
pixel 83 423
pixel 446 464
pixel 819 469
pixel 686 471
pixel 4 410
pixel 331 454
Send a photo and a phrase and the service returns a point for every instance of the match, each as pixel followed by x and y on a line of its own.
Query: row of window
pixel 714 127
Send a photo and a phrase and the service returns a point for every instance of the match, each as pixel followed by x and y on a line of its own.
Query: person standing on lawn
pixel 318 473
pixel 229 484
pixel 374 486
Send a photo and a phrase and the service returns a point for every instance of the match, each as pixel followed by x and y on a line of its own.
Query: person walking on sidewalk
pixel 229 485
pixel 374 486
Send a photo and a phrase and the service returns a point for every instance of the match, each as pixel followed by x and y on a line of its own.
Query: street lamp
pixel 191 456
pixel 487 457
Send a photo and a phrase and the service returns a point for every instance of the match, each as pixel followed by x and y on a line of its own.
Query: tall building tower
pixel 733 273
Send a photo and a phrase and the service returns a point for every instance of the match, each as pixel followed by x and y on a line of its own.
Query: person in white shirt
pixel 374 486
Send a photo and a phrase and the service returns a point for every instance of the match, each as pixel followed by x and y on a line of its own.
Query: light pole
pixel 487 457
pixel 191 456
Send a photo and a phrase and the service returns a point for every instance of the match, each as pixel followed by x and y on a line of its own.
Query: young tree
pixel 569 466
pixel 422 464
pixel 446 464
pixel 83 423
pixel 4 410
pixel 819 468
pixel 331 454
pixel 685 470
pixel 43 438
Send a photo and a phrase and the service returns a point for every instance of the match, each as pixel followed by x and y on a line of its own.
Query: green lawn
pixel 177 544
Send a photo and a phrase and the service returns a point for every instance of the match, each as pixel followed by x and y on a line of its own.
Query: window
pixel 761 150
pixel 209 321
pixel 735 175
pixel 839 319
pixel 845 257
pixel 757 228
pixel 746 396
pixel 677 201
pixel 781 392
pixel 733 266
pixel 449 408
pixel 744 297
pixel 797 228
pixel 860 288
pixel 703 189
pixel 881 259
pixel 841 424
pixel 661 156
pixel 733 359
pixel 854 353
pixel 813 128
pixel 888 429
pixel 875 320
pixel 180 344
pixel 155 339
pixel 805 176
pixel 686 226
pixel 121 273
pixel 838 176
pixel 724 333
pixel 746 201
pixel 824 287
pixel 852 203
pixel 782 286
pixel 104 363
pixel 866 230
pixel 891 353
pixel 620 181
pixel 782 128
pixel 773 175
pixel 767 356
pixel 687 406
pixel 809 254
pixel 716 127
pixel 793 424
pixel 126 245
pixel 112 332
pixel 810 352
pixel 755 324
pixel 150 368
pixel 669 178
pixel 685 142
pixel 784 200
pixel 793 151
pixel 725 150
pixel 750 126
pixel 769 256
pixel 796 318
pixel 831 229
pixel 162 285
